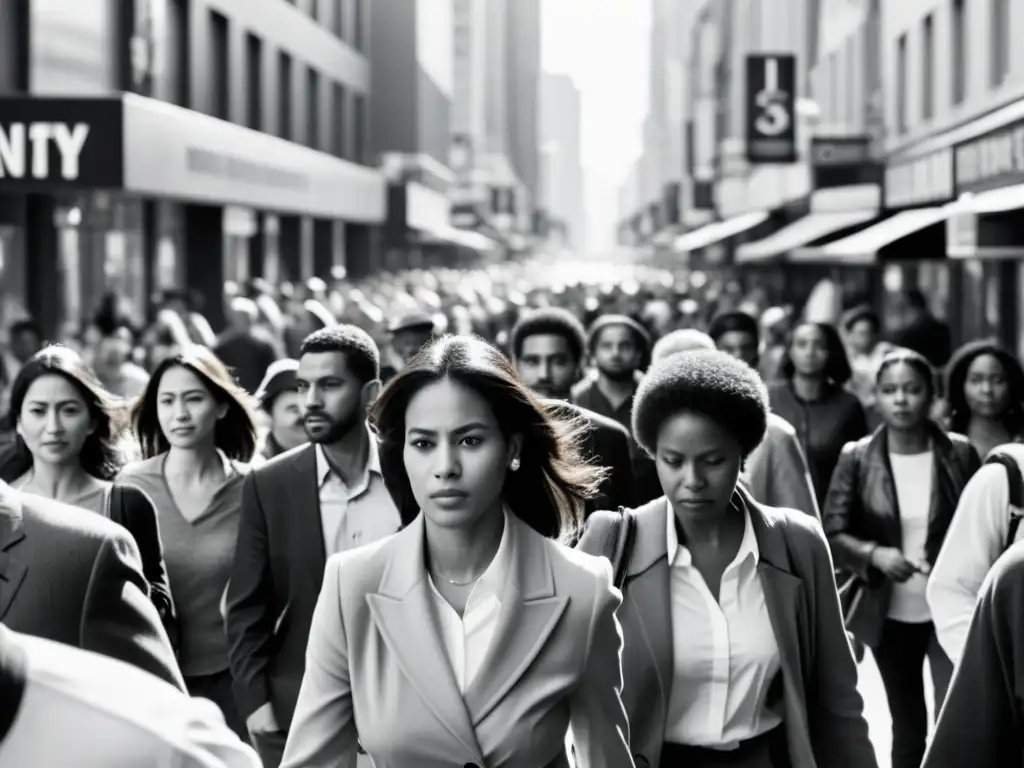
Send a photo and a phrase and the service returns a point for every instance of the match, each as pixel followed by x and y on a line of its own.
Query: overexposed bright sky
pixel 604 46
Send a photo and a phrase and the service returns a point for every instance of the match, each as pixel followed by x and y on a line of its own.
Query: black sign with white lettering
pixel 842 161
pixel 61 142
pixel 993 160
pixel 771 108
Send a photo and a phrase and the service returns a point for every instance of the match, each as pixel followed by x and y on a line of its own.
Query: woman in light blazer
pixel 735 652
pixel 471 637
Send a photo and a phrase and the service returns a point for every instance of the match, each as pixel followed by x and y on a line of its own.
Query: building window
pixel 220 100
pixel 313 108
pixel 254 74
pixel 357 24
pixel 176 70
pixel 339 130
pixel 338 19
pixel 901 84
pixel 1000 41
pixel 928 68
pixel 959 46
pixel 359 129
pixel 284 96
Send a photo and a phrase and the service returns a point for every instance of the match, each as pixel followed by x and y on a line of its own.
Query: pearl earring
pixel 514 465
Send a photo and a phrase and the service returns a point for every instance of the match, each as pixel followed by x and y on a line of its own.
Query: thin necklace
pixel 455 583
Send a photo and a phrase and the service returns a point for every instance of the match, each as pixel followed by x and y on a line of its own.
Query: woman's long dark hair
pixel 235 434
pixel 956 378
pixel 100 456
pixel 837 367
pixel 553 482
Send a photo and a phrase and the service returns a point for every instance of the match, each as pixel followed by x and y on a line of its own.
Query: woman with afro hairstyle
pixel 734 650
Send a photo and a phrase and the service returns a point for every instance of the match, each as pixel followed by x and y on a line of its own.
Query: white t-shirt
pixel 912 475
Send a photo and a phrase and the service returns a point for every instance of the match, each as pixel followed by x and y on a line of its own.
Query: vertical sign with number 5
pixel 771 117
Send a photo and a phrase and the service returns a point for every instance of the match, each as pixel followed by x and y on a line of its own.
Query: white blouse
pixel 725 652
pixel 467 638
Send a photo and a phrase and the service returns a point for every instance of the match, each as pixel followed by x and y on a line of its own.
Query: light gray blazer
pixel 377 672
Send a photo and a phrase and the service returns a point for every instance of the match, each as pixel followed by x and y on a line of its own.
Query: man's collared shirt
pixel 725 653
pixel 468 638
pixel 358 514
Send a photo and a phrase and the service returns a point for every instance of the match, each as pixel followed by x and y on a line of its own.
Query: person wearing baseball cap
pixel 409 333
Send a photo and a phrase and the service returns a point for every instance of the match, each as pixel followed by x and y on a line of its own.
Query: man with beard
pixel 547 350
pixel 298 509
pixel 619 348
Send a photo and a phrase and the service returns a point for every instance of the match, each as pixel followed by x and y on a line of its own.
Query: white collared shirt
pixel 725 654
pixel 356 515
pixel 468 638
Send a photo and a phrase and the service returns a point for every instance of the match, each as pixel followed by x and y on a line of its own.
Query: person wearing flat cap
pixel 409 333
pixel 734 650
pixel 279 398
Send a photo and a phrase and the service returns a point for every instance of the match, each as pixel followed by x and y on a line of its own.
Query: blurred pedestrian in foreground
pixel 62 707
pixel 980 723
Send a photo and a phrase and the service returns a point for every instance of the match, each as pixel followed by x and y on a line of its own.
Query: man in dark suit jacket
pixel 72 576
pixel 298 509
pixel 547 350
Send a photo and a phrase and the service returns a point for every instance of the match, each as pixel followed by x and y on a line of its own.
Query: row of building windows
pixel 334 118
pixel 343 18
pixel 953 53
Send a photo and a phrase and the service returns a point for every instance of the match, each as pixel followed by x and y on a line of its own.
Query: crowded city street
pixel 511 384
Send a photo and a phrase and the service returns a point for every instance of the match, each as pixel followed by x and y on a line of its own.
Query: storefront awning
pixel 463 238
pixel 813 226
pixel 994 201
pixel 720 230
pixel 863 247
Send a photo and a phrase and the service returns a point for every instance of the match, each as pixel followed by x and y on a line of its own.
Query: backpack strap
pixel 1016 485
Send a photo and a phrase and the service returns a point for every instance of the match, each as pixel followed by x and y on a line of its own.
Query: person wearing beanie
pixel 279 398
pixel 777 472
pixel 619 349
pixel 734 638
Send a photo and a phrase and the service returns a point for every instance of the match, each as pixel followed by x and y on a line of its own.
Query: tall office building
pixel 561 194
pixel 187 143
pixel 495 141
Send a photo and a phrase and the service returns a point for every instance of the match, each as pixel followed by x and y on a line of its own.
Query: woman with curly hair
pixel 68 429
pixel 985 395
pixel 735 652
pixel 472 636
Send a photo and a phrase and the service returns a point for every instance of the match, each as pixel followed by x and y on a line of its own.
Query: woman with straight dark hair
pixel 811 397
pixel 67 432
pixel 472 636
pixel 888 509
pixel 985 395
pixel 197 433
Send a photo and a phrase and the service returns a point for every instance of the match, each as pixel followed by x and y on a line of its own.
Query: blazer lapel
pixel 403 614
pixel 529 611
pixel 647 592
pixel 12 571
pixel 783 594
pixel 301 503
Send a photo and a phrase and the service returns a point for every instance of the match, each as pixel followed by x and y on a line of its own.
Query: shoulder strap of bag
pixel 610 535
pixel 623 552
pixel 1016 484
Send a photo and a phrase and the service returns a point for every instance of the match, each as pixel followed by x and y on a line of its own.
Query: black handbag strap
pixel 623 551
